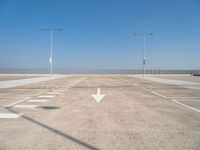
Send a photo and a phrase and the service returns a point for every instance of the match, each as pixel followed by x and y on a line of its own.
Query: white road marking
pixel 169 81
pixel 58 90
pixel 9 115
pixel 20 96
pixel 175 101
pixel 184 97
pixel 144 89
pixel 53 93
pixel 159 94
pixel 12 104
pixel 26 106
pixel 41 92
pixel 38 100
pixel 39 95
pixel 20 82
pixel 13 95
pixel 135 85
pixel 195 109
pixel 75 82
pixel 9 105
pixel 47 96
pixel 98 97
pixel 185 84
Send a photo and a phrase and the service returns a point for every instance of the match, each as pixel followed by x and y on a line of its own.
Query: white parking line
pixel 159 94
pixel 20 82
pixel 13 95
pixel 53 93
pixel 75 83
pixel 47 96
pixel 12 104
pixel 9 115
pixel 184 97
pixel 38 100
pixel 58 90
pixel 145 89
pixel 195 109
pixel 9 105
pixel 41 92
pixel 175 101
pixel 39 95
pixel 26 106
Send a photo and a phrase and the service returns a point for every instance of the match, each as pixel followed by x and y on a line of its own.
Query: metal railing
pixel 93 71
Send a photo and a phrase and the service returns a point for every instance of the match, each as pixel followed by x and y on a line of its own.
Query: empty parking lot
pixel 136 113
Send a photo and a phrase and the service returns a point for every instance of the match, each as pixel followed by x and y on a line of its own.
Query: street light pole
pixel 51 50
pixel 144 48
pixel 51 55
pixel 144 57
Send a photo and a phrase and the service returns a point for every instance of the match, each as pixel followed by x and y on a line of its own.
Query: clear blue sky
pixel 100 33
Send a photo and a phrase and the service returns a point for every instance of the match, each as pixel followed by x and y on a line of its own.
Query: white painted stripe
pixel 169 81
pixel 13 95
pixel 195 109
pixel 20 82
pixel 41 92
pixel 12 104
pixel 9 105
pixel 53 93
pixel 75 82
pixel 9 115
pixel 47 96
pixel 25 106
pixel 159 94
pixel 135 85
pixel 144 89
pixel 184 97
pixel 189 107
pixel 38 100
pixel 39 95
pixel 58 90
pixel 175 101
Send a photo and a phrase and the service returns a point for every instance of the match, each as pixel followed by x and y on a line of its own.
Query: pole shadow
pixel 64 135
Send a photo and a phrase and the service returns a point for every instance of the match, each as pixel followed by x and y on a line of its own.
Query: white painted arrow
pixel 98 97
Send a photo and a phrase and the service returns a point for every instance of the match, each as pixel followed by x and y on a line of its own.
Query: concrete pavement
pixel 132 115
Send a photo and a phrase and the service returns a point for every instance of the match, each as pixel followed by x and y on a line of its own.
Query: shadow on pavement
pixel 50 107
pixel 69 137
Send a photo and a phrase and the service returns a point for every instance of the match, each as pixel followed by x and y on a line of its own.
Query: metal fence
pixel 93 71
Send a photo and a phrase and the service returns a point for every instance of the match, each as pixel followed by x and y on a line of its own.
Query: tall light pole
pixel 51 51
pixel 144 48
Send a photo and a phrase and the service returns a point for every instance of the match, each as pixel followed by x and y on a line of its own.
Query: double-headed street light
pixel 144 49
pixel 51 51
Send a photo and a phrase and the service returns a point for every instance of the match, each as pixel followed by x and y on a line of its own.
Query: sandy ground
pixel 135 114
